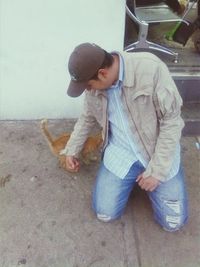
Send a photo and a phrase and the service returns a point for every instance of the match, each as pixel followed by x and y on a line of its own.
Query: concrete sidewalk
pixel 46 218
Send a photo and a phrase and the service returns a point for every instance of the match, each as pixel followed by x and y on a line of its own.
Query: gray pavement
pixel 46 218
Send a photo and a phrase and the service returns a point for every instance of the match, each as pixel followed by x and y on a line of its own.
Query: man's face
pixel 104 81
pixel 98 85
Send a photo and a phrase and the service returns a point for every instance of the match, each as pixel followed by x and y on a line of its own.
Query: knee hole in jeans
pixel 175 219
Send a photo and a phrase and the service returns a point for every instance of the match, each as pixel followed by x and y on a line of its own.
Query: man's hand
pixel 149 184
pixel 72 163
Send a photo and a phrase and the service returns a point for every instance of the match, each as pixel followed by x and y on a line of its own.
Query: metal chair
pixel 156 13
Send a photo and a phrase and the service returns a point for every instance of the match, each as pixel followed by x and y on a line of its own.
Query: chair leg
pixel 163 49
pixel 152 46
pixel 143 43
pixel 136 45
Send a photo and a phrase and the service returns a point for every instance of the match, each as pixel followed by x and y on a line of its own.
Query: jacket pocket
pixel 143 103
pixel 142 94
pixel 146 114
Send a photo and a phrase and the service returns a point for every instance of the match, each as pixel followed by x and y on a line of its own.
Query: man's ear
pixel 102 73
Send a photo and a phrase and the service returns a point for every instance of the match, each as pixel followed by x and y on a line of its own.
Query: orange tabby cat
pixel 88 153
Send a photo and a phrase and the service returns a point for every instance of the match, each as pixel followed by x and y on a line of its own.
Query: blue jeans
pixel 169 199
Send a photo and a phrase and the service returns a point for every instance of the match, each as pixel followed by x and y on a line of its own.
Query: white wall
pixel 36 39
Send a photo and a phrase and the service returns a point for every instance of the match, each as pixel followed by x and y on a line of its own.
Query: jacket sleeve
pixel 81 131
pixel 168 104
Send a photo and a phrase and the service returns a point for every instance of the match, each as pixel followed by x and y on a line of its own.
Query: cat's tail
pixel 44 128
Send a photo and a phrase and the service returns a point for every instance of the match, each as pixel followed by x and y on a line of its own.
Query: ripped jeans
pixel 169 199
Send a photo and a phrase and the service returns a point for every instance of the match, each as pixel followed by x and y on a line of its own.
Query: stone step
pixel 191 116
pixel 188 83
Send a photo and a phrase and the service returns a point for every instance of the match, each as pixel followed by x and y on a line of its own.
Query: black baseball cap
pixel 84 62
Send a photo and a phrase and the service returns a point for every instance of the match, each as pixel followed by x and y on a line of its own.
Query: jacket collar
pixel 129 76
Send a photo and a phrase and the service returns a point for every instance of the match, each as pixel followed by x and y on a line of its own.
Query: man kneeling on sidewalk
pixel 136 102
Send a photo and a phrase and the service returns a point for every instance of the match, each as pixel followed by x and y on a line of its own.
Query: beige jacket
pixel 153 105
